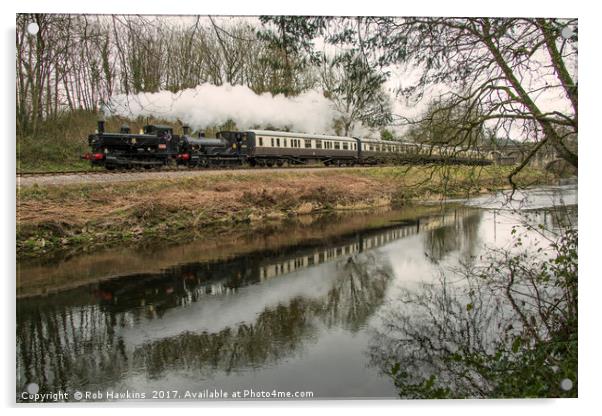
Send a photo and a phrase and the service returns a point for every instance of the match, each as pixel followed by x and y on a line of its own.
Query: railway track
pixel 101 171
pixel 73 177
pixel 164 169
pixel 55 173
pixel 25 179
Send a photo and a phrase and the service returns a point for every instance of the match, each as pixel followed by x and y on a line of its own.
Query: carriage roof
pixel 301 135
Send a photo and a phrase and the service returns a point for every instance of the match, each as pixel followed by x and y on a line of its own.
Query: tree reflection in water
pixel 460 235
pixel 358 290
pixel 505 329
pixel 81 346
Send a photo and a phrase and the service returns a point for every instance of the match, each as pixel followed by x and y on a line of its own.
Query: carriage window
pixel 283 142
pixel 261 141
pixel 278 142
pixel 307 143
pixel 272 142
pixel 345 146
pixel 337 145
pixel 318 144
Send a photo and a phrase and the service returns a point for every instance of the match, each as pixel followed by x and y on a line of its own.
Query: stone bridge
pixel 513 153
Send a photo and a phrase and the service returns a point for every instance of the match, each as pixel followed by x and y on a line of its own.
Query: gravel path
pixel 75 179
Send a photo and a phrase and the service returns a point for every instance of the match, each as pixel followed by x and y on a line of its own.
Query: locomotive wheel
pixel 270 163
pixel 280 162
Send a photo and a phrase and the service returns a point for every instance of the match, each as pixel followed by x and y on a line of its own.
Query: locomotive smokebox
pixel 125 129
pixel 101 126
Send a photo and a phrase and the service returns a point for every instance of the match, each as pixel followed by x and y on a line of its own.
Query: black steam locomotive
pixel 157 146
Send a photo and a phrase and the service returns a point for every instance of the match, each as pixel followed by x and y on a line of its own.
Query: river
pixel 301 310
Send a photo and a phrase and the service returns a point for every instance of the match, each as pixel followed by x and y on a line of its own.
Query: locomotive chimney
pixel 101 126
pixel 125 129
pixel 186 130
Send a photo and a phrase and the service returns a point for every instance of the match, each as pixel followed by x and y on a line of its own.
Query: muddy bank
pixel 76 218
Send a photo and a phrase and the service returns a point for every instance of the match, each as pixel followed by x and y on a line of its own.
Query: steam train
pixel 157 145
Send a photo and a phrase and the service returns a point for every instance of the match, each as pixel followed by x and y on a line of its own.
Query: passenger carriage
pixel 269 148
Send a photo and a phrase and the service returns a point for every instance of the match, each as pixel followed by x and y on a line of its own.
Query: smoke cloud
pixel 209 105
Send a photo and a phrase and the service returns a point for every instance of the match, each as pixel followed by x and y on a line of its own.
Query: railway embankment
pixel 81 217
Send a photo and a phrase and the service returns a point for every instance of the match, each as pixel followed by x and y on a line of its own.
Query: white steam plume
pixel 210 105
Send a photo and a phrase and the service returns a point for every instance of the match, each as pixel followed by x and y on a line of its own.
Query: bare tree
pixel 518 75
pixel 356 91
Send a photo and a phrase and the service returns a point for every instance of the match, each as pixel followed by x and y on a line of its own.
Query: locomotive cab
pixel 238 141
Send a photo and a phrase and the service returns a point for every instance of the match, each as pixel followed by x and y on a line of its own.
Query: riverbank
pixel 76 218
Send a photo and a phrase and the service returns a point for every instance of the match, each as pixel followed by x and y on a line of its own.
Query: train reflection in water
pixel 188 283
pixel 222 316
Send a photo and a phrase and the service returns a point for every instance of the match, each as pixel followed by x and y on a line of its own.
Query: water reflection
pixel 504 326
pixel 215 319
pixel 457 236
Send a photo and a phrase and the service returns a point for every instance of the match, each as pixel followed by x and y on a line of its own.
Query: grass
pixel 75 216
